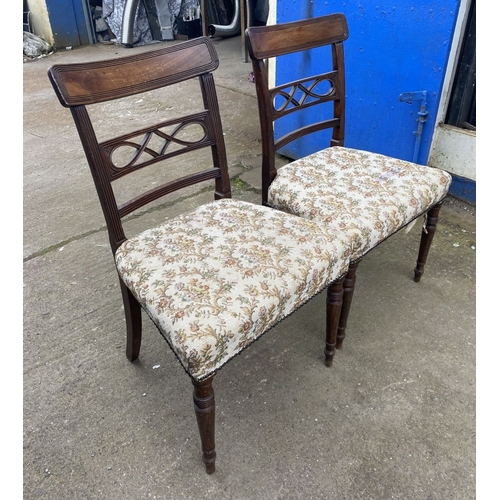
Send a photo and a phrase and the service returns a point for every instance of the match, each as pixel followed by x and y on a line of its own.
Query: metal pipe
pixel 249 4
pixel 422 118
pixel 409 97
pixel 129 12
pixel 231 29
pixel 247 20
pixel 250 17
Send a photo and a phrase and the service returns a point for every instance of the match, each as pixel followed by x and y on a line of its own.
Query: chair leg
pixel 333 311
pixel 204 406
pixel 349 283
pixel 426 240
pixel 133 320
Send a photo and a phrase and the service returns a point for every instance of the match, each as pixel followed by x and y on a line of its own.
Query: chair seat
pixel 369 196
pixel 214 279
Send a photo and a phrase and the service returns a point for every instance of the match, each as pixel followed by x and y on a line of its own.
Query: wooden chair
pixel 368 195
pixel 216 277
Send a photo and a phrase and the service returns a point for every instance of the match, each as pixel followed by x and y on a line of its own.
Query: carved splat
pixel 303 93
pixel 133 151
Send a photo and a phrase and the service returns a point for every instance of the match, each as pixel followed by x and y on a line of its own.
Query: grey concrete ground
pixel 394 418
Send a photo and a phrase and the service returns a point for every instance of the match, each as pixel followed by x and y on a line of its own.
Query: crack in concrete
pixel 236 183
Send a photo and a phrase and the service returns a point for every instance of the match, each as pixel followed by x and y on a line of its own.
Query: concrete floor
pixel 394 418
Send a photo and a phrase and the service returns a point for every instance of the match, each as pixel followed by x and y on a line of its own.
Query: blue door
pixel 69 22
pixel 393 48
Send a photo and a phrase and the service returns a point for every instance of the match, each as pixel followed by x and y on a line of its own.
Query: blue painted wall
pixel 393 47
pixel 67 20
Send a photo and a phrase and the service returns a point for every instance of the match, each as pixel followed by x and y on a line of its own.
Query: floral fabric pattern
pixel 215 279
pixel 367 196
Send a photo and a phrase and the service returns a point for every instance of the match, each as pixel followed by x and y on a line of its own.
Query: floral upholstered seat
pixel 214 279
pixel 367 196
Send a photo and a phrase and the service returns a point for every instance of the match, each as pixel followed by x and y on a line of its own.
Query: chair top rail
pixel 98 81
pixel 270 41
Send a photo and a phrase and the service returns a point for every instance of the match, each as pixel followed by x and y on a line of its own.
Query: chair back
pixel 171 133
pixel 265 42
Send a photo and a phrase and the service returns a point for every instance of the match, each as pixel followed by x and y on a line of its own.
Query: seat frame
pixel 78 86
pixel 265 42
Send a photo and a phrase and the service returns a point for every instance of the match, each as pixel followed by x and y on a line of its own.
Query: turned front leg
pixel 204 406
pixel 426 240
pixel 349 283
pixel 333 308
